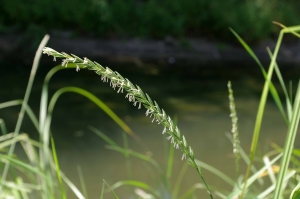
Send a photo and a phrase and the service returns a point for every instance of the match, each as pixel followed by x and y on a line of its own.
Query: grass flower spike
pixel 137 97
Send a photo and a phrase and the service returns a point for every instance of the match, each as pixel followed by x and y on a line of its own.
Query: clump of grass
pixel 138 98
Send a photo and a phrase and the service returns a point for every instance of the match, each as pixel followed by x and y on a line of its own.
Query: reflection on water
pixel 196 95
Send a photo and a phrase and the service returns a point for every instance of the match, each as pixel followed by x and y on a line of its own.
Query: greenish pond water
pixel 196 94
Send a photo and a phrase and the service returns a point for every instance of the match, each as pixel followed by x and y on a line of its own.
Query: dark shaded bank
pixel 139 52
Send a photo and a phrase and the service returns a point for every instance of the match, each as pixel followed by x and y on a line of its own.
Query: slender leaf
pixel 289 145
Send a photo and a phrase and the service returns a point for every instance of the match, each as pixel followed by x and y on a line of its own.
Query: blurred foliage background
pixel 150 18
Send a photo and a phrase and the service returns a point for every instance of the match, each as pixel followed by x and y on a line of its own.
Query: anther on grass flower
pixel 64 62
pixel 183 157
pixel 77 68
pixel 164 131
pixel 136 95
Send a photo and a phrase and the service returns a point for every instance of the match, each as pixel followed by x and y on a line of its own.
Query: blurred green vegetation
pixel 151 18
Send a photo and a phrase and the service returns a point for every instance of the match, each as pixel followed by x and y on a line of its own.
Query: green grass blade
pixel 252 179
pixel 273 90
pixel 127 155
pixel 287 97
pixel 102 191
pixel 28 110
pixel 179 180
pixel 103 136
pixel 249 50
pixel 10 103
pixel 25 102
pixel 3 127
pixel 22 165
pixel 111 190
pixel 22 192
pixel 289 145
pixel 216 172
pixel 135 183
pixel 44 94
pixel 261 109
pixel 269 190
pixel 170 162
pixel 295 193
pixel 82 182
pixel 72 186
pixel 245 158
pixel 135 154
pixel 192 190
pixel 57 169
pixel 88 95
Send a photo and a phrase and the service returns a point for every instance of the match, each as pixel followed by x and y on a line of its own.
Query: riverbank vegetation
pixel 40 176
pixel 149 18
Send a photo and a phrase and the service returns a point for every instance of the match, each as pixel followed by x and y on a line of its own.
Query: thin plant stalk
pixel 138 98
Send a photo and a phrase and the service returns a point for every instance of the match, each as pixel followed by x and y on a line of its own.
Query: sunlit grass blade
pixel 273 90
pixel 25 101
pixel 261 109
pixel 10 103
pixel 86 94
pixel 135 183
pixel 57 169
pixel 291 29
pixel 75 190
pixel 111 190
pixel 44 94
pixel 289 145
pixel 295 193
pixel 8 142
pixel 90 96
pixel 270 170
pixel 270 189
pixel 22 192
pixel 142 194
pixel 252 179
